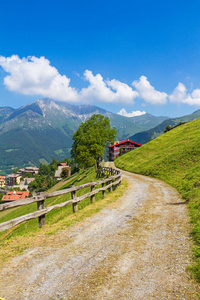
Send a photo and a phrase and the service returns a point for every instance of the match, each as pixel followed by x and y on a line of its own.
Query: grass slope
pixel 15 240
pixel 152 133
pixel 175 158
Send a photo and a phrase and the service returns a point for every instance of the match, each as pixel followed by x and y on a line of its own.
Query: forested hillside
pixel 41 131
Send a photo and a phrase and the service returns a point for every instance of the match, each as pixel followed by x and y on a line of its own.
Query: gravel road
pixel 137 248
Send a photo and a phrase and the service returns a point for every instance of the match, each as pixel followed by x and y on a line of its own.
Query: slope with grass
pixel 15 240
pixel 175 158
pixel 152 133
pixel 135 248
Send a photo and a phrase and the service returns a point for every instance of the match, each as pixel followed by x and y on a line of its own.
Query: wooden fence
pixel 113 180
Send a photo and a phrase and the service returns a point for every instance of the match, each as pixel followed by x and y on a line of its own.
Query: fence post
pixel 120 180
pixel 75 204
pixel 103 192
pixel 41 219
pixel 92 199
pixel 110 188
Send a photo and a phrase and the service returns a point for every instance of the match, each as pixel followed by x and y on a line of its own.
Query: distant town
pixel 20 184
pixel 16 186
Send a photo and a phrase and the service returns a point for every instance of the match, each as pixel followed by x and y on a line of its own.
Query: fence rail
pixel 40 199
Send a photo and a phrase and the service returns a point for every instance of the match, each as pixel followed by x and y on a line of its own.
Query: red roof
pixel 62 164
pixel 2 177
pixel 15 195
pixel 136 144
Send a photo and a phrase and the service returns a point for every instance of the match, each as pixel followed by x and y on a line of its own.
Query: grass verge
pixel 174 157
pixel 15 240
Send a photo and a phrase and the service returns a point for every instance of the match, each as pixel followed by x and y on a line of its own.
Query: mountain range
pixel 43 130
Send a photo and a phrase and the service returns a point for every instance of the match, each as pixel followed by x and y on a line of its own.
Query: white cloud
pixel 124 113
pixel 112 91
pixel 180 95
pixel 195 98
pixel 148 92
pixel 35 76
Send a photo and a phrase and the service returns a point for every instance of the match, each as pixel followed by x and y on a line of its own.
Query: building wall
pixel 115 151
pixel 13 180
pixel 59 171
pixel 2 182
pixel 18 180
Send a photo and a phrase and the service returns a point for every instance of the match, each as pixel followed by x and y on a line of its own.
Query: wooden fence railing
pixel 113 180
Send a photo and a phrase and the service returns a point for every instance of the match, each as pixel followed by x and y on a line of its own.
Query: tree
pixel 15 171
pixel 54 164
pixel 168 128
pixel 64 173
pixel 90 140
pixel 29 175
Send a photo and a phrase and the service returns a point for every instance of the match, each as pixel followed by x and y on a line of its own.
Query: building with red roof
pixel 125 146
pixel 15 195
pixel 62 164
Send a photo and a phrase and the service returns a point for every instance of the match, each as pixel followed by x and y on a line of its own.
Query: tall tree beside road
pixel 90 140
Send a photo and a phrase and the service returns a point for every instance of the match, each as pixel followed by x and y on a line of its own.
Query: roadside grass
pixel 174 158
pixel 15 240
pixel 53 216
pixel 60 184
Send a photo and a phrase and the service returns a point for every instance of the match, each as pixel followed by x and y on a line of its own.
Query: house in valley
pixel 15 195
pixel 125 146
pixel 2 181
pixel 31 170
pixel 13 179
pixel 61 166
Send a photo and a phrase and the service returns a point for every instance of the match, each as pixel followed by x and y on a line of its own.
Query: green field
pixel 175 158
pixel 15 240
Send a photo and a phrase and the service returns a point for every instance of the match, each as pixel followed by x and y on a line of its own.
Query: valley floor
pixel 136 248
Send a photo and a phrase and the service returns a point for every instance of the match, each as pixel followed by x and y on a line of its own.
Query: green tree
pixel 168 128
pixel 29 175
pixel 66 160
pixel 15 171
pixel 64 173
pixel 1 196
pixel 54 164
pixel 90 140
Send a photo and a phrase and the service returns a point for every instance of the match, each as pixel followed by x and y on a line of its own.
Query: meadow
pixel 174 158
pixel 19 238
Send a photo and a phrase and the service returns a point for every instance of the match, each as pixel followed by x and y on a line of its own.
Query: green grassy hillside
pixel 175 158
pixel 144 136
pixel 15 240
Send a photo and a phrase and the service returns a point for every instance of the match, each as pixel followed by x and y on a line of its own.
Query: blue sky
pixel 132 55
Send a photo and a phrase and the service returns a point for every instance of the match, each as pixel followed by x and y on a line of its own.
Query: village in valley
pixel 17 185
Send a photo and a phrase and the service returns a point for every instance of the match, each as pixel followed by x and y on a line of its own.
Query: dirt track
pixel 137 248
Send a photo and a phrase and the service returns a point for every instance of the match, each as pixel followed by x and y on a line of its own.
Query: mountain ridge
pixel 144 136
pixel 43 130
